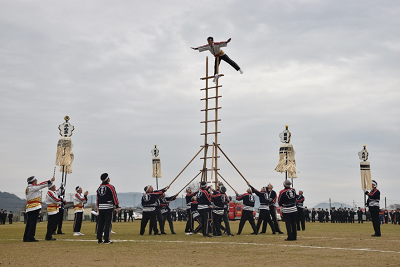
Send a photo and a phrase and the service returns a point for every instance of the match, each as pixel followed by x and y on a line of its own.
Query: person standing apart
pixel 248 209
pixel 373 205
pixel 287 200
pixel 10 217
pixel 33 206
pixel 79 201
pixel 107 200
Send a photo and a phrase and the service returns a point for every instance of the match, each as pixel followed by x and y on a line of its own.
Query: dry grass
pixel 321 244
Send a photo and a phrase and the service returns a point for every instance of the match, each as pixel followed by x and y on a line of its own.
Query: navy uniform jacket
pixel 287 200
pixel 373 199
pixel 264 198
pixel 300 201
pixel 203 199
pixel 106 197
pixel 248 201
pixel 272 197
pixel 150 200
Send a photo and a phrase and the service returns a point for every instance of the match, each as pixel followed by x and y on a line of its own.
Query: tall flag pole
pixel 365 169
pixel 156 164
pixel 287 162
pixel 64 156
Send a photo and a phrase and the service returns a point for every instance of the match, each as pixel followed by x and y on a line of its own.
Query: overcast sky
pixel 125 74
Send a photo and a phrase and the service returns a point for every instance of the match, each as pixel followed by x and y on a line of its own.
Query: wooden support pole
pixel 186 166
pixel 232 164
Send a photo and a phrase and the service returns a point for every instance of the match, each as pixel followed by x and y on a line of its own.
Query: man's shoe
pixel 374 235
pixel 32 240
pixel 163 233
pixel 108 242
pixel 99 241
pixel 287 239
pixel 50 239
pixel 207 235
pixel 281 233
pixel 274 233
pixel 80 233
pixel 173 233
pixel 60 233
pixel 230 235
pixel 112 232
pixel 76 234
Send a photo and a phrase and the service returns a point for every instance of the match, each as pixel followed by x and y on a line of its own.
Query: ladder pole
pixel 204 174
pixel 216 126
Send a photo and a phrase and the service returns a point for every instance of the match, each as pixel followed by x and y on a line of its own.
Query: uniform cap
pixel 203 184
pixel 223 189
pixel 374 183
pixel 77 188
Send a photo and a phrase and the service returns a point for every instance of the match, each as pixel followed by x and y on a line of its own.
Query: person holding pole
pixel 53 201
pixel 33 206
pixel 203 207
pixel 287 200
pixel 248 209
pixel 264 214
pixel 373 205
pixel 149 203
pixel 272 209
pixel 190 222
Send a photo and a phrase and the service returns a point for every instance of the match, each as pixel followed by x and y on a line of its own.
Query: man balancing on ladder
pixel 215 49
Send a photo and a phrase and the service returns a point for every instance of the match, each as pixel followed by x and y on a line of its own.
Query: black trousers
pixel 360 220
pixel 200 226
pixel 217 219
pixel 375 222
pixel 104 224
pixel 204 214
pixel 160 221
pixel 189 224
pixel 30 227
pixel 225 218
pixel 290 221
pixel 148 216
pixel 300 220
pixel 51 225
pixel 264 217
pixel 247 215
pixel 60 220
pixel 168 217
pixel 272 211
pixel 78 222
pixel 227 60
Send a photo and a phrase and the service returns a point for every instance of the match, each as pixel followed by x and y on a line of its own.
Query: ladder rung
pixel 210 121
pixel 211 97
pixel 211 157
pixel 212 87
pixel 209 145
pixel 211 109
pixel 211 170
pixel 210 133
pixel 211 77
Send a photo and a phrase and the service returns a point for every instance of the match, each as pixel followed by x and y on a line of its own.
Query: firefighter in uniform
pixel 79 201
pixel 203 207
pixel 300 211
pixel 53 201
pixel 287 200
pixel 107 200
pixel 149 203
pixel 190 222
pixel 373 205
pixel 166 211
pixel 33 206
pixel 264 214
pixel 248 209
pixel 272 209
pixel 218 198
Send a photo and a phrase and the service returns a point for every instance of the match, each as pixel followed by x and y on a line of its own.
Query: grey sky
pixel 125 74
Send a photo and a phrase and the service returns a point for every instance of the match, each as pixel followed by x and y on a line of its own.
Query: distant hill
pixel 11 202
pixel 324 205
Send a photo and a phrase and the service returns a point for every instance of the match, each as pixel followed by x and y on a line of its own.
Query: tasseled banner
pixel 366 182
pixel 63 156
pixel 156 167
pixel 68 168
pixel 287 164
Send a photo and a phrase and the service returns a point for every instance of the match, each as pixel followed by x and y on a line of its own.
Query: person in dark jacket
pixel 264 214
pixel 373 205
pixel 300 211
pixel 247 212
pixel 107 200
pixel 149 203
pixel 287 200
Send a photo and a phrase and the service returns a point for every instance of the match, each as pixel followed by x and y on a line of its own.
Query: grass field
pixel 320 245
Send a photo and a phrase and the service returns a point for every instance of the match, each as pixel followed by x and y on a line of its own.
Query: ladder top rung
pixel 210 109
pixel 211 170
pixel 212 87
pixel 211 97
pixel 210 133
pixel 210 121
pixel 211 77
pixel 211 157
